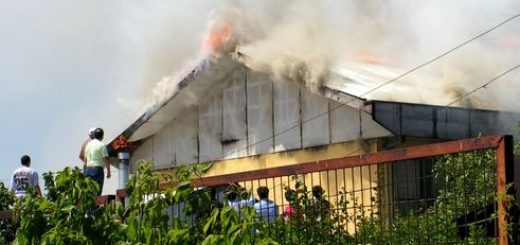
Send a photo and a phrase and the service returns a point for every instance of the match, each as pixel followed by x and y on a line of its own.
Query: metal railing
pixel 409 187
pixel 416 184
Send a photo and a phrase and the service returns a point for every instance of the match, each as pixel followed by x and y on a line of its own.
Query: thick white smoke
pixel 303 40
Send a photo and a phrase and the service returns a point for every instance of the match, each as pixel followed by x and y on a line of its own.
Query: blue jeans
pixel 96 174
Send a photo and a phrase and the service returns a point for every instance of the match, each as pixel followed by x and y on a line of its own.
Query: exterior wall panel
pixel 287 121
pixel 145 151
pixel 371 129
pixel 344 123
pixel 260 113
pixel 185 138
pixel 210 127
pixel 163 148
pixel 234 134
pixel 249 114
pixel 315 121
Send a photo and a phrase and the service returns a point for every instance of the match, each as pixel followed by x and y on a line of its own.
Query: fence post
pixel 505 175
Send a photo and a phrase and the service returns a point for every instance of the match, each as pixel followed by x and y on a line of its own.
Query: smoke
pixel 303 40
pixel 166 38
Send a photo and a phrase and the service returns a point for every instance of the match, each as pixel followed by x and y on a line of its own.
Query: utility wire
pixel 443 54
pixel 484 85
pixel 379 86
pixel 456 100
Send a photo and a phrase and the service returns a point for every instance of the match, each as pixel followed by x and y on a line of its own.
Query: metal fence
pixel 418 195
pixel 453 189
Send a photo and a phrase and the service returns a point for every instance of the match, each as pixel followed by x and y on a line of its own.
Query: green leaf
pixel 211 221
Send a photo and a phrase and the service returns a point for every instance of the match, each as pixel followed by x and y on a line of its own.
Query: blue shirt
pixel 267 209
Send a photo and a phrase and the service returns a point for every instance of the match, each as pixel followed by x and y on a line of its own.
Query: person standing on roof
pixel 84 145
pixel 96 155
pixel 24 178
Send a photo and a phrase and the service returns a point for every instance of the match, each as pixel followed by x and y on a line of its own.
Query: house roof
pixel 347 84
pixel 201 79
pixel 184 93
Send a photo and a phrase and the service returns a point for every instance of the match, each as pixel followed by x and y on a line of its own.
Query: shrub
pixel 68 213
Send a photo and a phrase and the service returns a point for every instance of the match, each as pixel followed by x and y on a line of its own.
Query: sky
pixel 66 66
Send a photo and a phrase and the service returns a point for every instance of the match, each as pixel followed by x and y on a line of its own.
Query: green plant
pixel 68 214
pixel 7 229
pixel 465 182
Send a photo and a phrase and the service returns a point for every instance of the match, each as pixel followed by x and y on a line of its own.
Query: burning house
pixel 243 116
pixel 242 120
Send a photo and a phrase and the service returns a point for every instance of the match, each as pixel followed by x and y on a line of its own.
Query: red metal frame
pixel 422 151
pixel 504 167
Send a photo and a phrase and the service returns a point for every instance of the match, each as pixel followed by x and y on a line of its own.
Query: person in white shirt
pixel 265 207
pixel 96 154
pixel 24 178
pixel 236 203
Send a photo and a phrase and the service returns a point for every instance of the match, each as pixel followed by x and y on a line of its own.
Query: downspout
pixel 121 146
pixel 124 160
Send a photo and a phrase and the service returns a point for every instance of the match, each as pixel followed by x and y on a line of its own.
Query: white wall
pixel 259 113
pixel 234 122
pixel 249 114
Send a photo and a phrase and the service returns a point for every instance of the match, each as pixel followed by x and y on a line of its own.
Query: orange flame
pixel 121 143
pixel 219 36
pixel 371 58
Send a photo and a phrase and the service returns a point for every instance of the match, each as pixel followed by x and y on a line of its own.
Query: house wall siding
pixel 210 127
pixel 234 130
pixel 260 114
pixel 185 137
pixel 315 119
pixel 249 114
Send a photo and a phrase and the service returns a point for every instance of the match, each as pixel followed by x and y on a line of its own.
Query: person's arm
pixel 82 151
pixel 105 158
pixel 12 184
pixel 107 166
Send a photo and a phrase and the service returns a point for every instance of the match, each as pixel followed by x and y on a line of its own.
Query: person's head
pixel 91 132
pixel 263 192
pixel 290 195
pixel 317 192
pixel 98 134
pixel 26 161
pixel 232 195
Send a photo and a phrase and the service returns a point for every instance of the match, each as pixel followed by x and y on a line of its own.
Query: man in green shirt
pixel 96 155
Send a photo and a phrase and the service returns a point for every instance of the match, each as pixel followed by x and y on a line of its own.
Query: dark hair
pixel 317 191
pixel 263 192
pixel 232 195
pixel 26 160
pixel 290 195
pixel 98 133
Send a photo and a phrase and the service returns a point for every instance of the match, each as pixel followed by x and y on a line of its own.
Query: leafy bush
pixel 6 227
pixel 69 215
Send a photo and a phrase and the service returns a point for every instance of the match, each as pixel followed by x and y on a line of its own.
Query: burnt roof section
pixel 440 122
